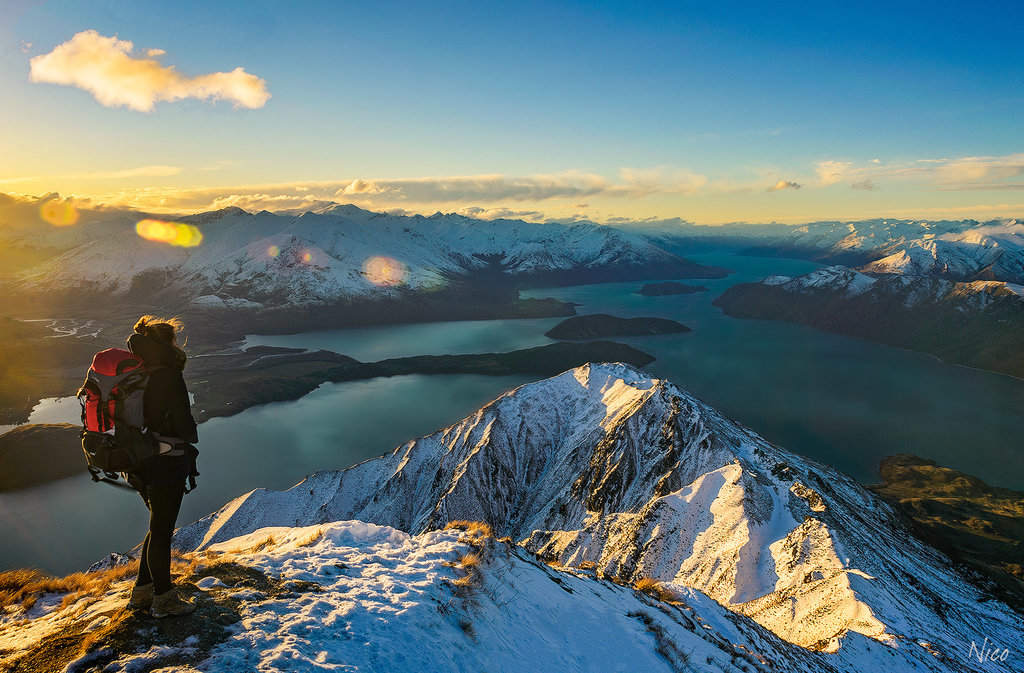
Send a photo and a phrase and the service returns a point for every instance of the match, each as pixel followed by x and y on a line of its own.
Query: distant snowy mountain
pixel 835 278
pixel 990 252
pixel 977 323
pixel 867 235
pixel 605 467
pixel 342 252
pixel 969 297
pixel 963 250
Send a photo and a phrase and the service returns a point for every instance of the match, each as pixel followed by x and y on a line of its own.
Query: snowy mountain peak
pixel 834 278
pixel 214 215
pixel 605 466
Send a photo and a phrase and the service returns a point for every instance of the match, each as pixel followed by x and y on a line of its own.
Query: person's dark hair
pixel 163 329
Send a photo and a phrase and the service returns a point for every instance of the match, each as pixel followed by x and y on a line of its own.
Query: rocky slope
pixel 977 323
pixel 605 467
pixel 960 513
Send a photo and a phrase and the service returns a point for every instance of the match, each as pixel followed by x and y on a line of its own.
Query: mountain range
pixel 964 250
pixel 338 252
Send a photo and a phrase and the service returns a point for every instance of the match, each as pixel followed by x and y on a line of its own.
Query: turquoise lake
pixel 836 399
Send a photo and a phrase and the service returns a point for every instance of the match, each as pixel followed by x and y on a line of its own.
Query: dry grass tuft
pixel 656 590
pixel 469 561
pixel 478 535
pixel 467 586
pixel 260 546
pixel 477 529
pixel 23 587
pixel 183 566
pixel 313 537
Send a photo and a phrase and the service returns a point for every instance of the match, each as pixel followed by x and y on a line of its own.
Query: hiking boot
pixel 142 597
pixel 168 604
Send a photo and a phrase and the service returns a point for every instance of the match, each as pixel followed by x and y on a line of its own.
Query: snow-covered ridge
pixel 605 465
pixel 962 250
pixel 837 278
pixel 864 235
pixel 912 291
pixel 358 596
pixel 995 252
pixel 324 255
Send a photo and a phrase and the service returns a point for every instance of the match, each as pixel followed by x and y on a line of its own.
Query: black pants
pixel 163 501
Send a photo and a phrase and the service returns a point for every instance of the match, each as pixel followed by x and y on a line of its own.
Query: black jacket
pixel 165 404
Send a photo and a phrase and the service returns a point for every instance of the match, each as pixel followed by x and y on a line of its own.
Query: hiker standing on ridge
pixel 161 480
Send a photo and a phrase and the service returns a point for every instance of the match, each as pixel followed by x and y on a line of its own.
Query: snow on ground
pixel 356 596
pixel 371 598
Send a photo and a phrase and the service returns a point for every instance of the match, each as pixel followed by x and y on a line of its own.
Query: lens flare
pixel 59 213
pixel 307 257
pixel 173 233
pixel 384 271
pixel 273 251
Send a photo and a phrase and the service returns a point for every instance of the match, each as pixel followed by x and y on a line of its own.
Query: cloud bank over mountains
pixel 536 196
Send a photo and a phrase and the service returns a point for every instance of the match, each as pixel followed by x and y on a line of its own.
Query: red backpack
pixel 113 433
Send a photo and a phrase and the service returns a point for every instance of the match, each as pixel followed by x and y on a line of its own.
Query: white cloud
pixel 784 184
pixel 499 213
pixel 419 194
pixel 963 173
pixel 978 169
pixel 865 185
pixel 107 68
pixel 661 180
pixel 831 172
pixel 476 188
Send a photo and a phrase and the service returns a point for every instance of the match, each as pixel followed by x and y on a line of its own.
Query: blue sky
pixel 737 111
